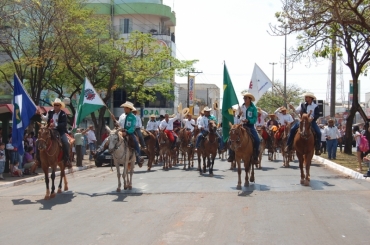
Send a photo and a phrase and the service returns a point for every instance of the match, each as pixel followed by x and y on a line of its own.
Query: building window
pixel 119 97
pixel 125 26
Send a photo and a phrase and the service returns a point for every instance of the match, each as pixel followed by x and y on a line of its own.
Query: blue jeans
pixel 256 139
pixel 2 166
pixel 92 148
pixel 331 147
pixel 294 129
pixel 137 148
pixel 220 141
pixel 140 135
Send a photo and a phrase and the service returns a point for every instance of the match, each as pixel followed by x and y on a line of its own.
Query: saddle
pixel 130 141
pixel 248 130
pixel 280 132
pixel 145 134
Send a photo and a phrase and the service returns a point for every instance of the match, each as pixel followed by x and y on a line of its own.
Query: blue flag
pixel 24 109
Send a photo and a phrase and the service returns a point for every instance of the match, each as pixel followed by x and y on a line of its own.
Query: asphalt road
pixel 183 207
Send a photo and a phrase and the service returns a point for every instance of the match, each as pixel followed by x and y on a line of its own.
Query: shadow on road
pixel 120 195
pixel 266 169
pixel 59 199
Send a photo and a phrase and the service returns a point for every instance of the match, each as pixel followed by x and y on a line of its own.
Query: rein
pixel 48 148
pixel 117 146
pixel 238 138
pixel 303 133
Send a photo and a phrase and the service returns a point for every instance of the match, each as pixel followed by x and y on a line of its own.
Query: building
pixel 146 16
pixel 205 95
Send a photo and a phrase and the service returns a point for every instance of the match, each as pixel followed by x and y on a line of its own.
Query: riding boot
pixel 139 160
pixel 255 154
pixel 231 156
pixel 68 163
pixel 288 148
pixel 317 150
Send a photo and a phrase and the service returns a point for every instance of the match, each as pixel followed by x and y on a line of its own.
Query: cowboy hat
pixel 185 111
pixel 272 115
pixel 249 95
pixel 309 94
pixel 129 105
pixel 152 115
pixel 283 108
pixel 173 115
pixel 207 109
pixel 58 101
pixel 134 109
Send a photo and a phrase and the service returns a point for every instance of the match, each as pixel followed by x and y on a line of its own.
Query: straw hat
pixel 272 115
pixel 129 105
pixel 249 95
pixel 152 115
pixel 309 94
pixel 207 109
pixel 283 109
pixel 58 101
pixel 134 109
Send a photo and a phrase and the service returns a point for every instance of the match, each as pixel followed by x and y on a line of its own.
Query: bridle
pixel 117 144
pixel 236 131
pixel 162 138
pixel 48 139
pixel 303 131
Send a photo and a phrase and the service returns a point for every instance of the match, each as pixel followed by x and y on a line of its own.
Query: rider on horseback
pixel 188 124
pixel 272 122
pixel 203 126
pixel 167 126
pixel 306 108
pixel 127 122
pixel 57 120
pixel 261 116
pixel 282 116
pixel 138 129
pixel 248 116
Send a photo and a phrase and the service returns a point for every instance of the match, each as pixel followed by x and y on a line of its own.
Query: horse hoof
pixel 52 195
pixel 238 187
pixel 66 188
pixel 46 197
pixel 252 179
pixel 306 183
pixel 59 190
pixel 302 181
pixel 148 169
pixel 164 167
pixel 118 190
pixel 246 184
pixel 130 187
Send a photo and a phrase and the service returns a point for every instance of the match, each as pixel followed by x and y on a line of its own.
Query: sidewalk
pixel 14 181
pixel 347 171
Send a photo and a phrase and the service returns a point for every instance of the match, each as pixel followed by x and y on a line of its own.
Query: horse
pixel 210 146
pixel 185 137
pixel 271 145
pixel 150 141
pixel 50 155
pixel 165 148
pixel 264 138
pixel 304 144
pixel 121 152
pixel 222 155
pixel 282 140
pixel 241 142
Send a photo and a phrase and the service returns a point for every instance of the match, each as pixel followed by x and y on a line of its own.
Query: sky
pixel 236 31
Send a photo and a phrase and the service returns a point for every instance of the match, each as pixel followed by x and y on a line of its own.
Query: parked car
pixel 105 158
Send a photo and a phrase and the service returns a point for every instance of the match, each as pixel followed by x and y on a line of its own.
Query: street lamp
pixel 273 64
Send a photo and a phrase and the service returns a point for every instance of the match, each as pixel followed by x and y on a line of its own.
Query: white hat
pixel 152 115
pixel 207 109
pixel 134 109
pixel 58 101
pixel 309 94
pixel 249 95
pixel 129 105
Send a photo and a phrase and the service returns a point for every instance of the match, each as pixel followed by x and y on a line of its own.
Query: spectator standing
pixel 13 154
pixel 357 137
pixel 342 139
pixel 332 134
pixel 2 160
pixel 91 140
pixel 323 139
pixel 79 139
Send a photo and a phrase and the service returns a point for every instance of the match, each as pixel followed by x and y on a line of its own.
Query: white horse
pixel 122 154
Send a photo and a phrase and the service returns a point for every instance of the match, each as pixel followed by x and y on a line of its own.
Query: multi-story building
pixel 146 16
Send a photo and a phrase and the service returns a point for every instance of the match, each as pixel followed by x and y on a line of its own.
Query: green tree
pixel 317 23
pixel 272 100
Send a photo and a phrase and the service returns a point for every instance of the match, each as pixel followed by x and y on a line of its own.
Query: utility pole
pixel 333 78
pixel 273 64
pixel 195 72
pixel 285 102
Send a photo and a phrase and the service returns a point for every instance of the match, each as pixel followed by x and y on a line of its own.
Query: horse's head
pixel 162 137
pixel 44 136
pixel 115 137
pixel 235 133
pixel 305 125
pixel 212 126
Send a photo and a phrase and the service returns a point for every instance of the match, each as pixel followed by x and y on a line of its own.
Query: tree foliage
pixel 317 23
pixel 274 99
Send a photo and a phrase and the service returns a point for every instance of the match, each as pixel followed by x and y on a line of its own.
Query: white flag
pixel 259 84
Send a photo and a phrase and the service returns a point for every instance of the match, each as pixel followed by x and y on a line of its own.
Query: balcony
pixel 123 31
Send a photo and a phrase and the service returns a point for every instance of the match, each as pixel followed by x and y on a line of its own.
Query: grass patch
pixel 349 161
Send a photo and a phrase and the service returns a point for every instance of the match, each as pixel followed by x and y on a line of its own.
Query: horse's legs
pixel 247 165
pixel 52 194
pixel 211 165
pixel 199 163
pixel 126 166
pixel 130 178
pixel 308 165
pixel 46 173
pixel 300 159
pixel 204 163
pixel 62 173
pixel 239 186
pixel 252 174
pixel 116 162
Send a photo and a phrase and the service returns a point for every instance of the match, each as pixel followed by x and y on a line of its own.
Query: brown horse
pixel 210 147
pixel 165 149
pixel 265 138
pixel 50 152
pixel 185 137
pixel 304 144
pixel 282 140
pixel 150 141
pixel 242 144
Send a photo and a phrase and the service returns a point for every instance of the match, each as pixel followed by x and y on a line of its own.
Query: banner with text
pixel 191 90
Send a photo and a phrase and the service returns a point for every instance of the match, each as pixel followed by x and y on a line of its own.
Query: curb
pixel 351 173
pixel 42 176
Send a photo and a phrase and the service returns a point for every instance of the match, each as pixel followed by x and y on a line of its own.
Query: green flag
pixel 228 101
pixel 90 101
